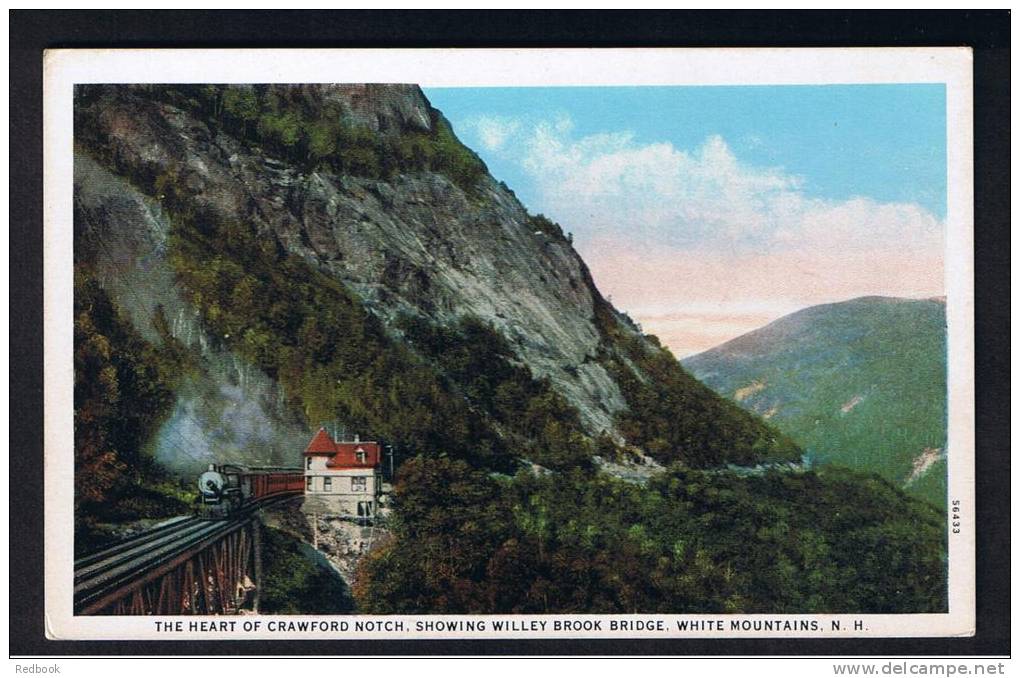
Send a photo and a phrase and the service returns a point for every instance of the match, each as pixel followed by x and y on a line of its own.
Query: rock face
pixel 365 186
pixel 420 244
pixel 384 109
pixel 341 542
pixel 226 410
pixel 414 243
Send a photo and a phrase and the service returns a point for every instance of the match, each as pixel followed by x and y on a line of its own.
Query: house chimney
pixel 357 438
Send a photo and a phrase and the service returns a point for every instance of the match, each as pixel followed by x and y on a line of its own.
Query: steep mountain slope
pixel 240 211
pixel 860 383
pixel 224 407
pixel 252 261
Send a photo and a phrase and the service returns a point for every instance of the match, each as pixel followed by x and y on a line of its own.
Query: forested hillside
pixel 332 253
pixel 860 383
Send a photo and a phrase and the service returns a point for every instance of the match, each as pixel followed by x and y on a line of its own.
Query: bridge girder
pixel 217 577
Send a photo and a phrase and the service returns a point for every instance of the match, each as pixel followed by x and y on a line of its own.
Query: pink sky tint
pixel 696 299
pixel 686 334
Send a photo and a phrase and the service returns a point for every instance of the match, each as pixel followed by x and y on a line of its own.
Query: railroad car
pixel 225 489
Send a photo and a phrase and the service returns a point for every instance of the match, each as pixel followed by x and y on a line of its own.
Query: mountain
pixel 254 261
pixel 860 383
pixel 280 229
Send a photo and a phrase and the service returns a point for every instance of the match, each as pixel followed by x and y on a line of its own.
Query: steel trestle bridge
pixel 186 565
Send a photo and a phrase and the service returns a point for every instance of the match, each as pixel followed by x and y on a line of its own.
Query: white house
pixel 344 477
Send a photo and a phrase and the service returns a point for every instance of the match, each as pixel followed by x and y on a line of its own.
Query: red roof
pixel 322 443
pixel 347 455
pixel 358 454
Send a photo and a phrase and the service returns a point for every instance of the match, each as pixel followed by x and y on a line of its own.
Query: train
pixel 226 489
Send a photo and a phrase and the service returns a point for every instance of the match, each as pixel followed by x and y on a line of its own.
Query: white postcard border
pixel 520 68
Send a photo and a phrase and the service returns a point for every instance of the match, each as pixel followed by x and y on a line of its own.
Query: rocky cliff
pixel 226 409
pixel 367 186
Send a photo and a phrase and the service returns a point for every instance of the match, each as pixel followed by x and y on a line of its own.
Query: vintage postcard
pixel 509 344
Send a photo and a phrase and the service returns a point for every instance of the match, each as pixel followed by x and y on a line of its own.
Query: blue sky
pixel 886 142
pixel 707 211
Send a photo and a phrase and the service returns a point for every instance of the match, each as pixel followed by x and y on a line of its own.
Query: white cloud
pixel 492 132
pixel 668 230
pixel 611 185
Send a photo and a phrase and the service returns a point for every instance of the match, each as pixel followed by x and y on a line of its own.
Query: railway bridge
pixel 184 566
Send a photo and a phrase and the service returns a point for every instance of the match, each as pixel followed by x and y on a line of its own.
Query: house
pixel 343 477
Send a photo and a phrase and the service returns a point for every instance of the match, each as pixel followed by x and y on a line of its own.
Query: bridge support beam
pixel 256 532
pixel 218 576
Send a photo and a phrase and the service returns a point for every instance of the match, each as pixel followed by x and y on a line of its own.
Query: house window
pixel 308 484
pixel 361 455
pixel 308 463
pixel 359 484
pixel 327 484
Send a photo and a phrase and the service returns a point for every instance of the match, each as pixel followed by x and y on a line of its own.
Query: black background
pixel 986 31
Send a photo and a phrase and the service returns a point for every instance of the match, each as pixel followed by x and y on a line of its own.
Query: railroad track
pixel 101 574
pixel 119 546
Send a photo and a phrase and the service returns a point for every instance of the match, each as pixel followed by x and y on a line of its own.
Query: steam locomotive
pixel 226 489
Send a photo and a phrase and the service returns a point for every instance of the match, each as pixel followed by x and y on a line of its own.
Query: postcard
pixel 605 343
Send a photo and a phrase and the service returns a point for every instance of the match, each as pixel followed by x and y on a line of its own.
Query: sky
pixel 706 212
